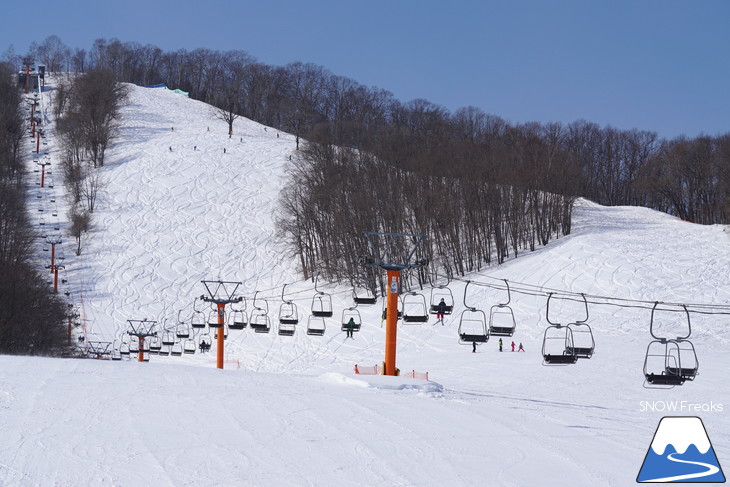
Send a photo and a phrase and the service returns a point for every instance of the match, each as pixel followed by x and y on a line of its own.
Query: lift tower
pixel 394 253
pixel 221 293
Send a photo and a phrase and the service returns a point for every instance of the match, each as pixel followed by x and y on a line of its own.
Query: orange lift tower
pixel 142 329
pixel 394 253
pixel 221 293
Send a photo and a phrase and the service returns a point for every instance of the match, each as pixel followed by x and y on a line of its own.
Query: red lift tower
pixel 142 329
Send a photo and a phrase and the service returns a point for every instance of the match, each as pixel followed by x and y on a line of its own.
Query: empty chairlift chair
pixel 670 362
pixel 155 344
pixel 288 316
pixel 197 320
pixel 182 329
pixel 502 317
pixel 259 320
pixel 189 346
pixel 321 303
pixel 557 342
pixel 213 319
pixel 176 350
pixel 238 318
pixel 415 309
pixel 472 324
pixel 316 325
pixel 363 295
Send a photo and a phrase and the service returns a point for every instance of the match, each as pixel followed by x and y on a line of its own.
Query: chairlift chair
pixel 670 361
pixel 259 320
pixel 213 319
pixel 124 349
pixel 239 320
pixel 164 351
pixel 287 313
pixel 354 314
pixel 321 303
pixel 415 309
pixel 197 320
pixel 557 341
pixel 472 324
pixel 363 295
pixel 176 350
pixel 116 354
pixel 205 342
pixel 315 325
pixel 134 345
pixel 155 344
pixel 182 330
pixel 189 346
pixel 286 329
pixel 502 317
pixel 168 338
pixel 437 294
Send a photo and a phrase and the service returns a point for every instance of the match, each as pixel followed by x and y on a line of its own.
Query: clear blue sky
pixel 661 65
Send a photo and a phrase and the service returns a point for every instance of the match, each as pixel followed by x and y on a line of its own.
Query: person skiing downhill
pixel 513 345
pixel 500 344
pixel 520 349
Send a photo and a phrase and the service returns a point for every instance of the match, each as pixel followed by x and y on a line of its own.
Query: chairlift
pixel 124 349
pixel 182 330
pixel 363 295
pixel 286 329
pixel 176 350
pixel 287 313
pixel 670 362
pixel 155 344
pixel 213 322
pixel 116 354
pixel 134 345
pixel 557 342
pixel 472 324
pixel 164 351
pixel 259 320
pixel 321 302
pixel 168 338
pixel 437 294
pixel 582 343
pixel 415 309
pixel 189 346
pixel 198 318
pixel 205 342
pixel 315 325
pixel 351 319
pixel 502 318
pixel 238 319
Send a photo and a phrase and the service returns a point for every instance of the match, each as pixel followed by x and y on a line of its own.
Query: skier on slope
pixel 513 345
pixel 520 349
pixel 500 344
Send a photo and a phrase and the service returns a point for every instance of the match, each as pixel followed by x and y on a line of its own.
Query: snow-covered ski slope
pixel 294 413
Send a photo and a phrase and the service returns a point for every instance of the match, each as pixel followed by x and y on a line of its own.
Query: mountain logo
pixel 681 452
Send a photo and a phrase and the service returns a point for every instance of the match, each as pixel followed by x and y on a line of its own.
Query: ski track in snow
pixel 169 219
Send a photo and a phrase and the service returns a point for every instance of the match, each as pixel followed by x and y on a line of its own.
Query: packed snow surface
pixel 176 209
